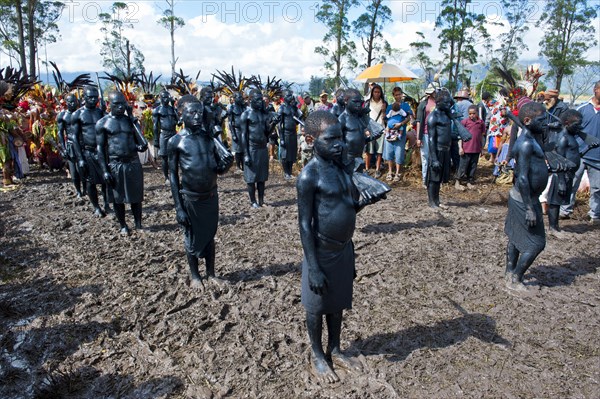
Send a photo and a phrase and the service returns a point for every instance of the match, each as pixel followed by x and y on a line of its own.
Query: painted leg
pixel 93 196
pixel 433 194
pixel 136 209
pixel 196 280
pixel 260 186
pixel 165 167
pixel 320 367
pixel 105 195
pixel 334 329
pixel 120 213
pixel 252 194
pixel 553 213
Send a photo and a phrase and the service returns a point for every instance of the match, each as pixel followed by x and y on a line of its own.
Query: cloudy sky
pixel 268 37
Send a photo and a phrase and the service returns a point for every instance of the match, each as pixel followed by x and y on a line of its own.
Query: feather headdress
pixel 63 87
pixel 182 83
pixel 147 84
pixel 273 88
pixel 14 84
pixel 229 84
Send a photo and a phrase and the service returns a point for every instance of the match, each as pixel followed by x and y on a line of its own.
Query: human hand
pixel 247 161
pixel 461 152
pixel 182 218
pixel 317 282
pixel 108 179
pixel 436 165
pixel 562 187
pixel 419 143
pixel 141 147
pixel 530 217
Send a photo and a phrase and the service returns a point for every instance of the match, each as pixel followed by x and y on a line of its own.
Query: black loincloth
pixel 259 170
pixel 554 198
pixel 337 263
pixel 290 152
pixel 203 214
pixel 441 175
pixel 523 237
pixel 163 142
pixel 94 172
pixel 128 179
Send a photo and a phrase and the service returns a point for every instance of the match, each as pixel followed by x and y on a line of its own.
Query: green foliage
pixel 26 24
pixel 368 27
pixel 461 30
pixel 568 34
pixel 121 57
pixel 338 50
pixel 421 50
pixel 511 43
pixel 171 22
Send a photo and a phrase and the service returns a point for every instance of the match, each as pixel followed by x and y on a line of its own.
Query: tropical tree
pixel 24 26
pixel 421 50
pixel 461 30
pixel 171 22
pixel 118 53
pixel 517 13
pixel 338 49
pixel 568 34
pixel 581 82
pixel 369 26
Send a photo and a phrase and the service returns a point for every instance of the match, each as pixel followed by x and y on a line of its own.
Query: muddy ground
pixel 86 313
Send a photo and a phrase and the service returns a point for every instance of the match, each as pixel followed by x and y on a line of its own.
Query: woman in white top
pixel 378 106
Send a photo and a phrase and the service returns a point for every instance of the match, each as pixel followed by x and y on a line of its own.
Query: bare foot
pixel 321 370
pixel 516 286
pixel 345 362
pixel 218 282
pixel 197 284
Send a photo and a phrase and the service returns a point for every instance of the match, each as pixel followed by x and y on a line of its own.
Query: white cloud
pixel 278 44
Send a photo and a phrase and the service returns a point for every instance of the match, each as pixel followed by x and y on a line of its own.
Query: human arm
pixel 102 142
pixel 307 187
pixel 433 133
pixel 62 133
pixel 523 155
pixel 245 137
pixel 223 157
pixel 156 127
pixel 77 133
pixel 173 161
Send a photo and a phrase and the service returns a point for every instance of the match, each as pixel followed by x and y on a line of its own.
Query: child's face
pixel 473 115
pixel 538 123
pixel 329 145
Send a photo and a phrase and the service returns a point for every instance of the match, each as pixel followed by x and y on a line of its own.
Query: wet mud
pixel 85 312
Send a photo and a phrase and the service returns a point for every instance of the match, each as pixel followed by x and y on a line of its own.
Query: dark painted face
pixel 165 98
pixel 444 104
pixel 72 103
pixel 355 103
pixel 288 97
pixel 208 97
pixel 118 105
pixel 574 126
pixel 238 99
pixel 538 124
pixel 330 145
pixel 90 98
pixel 257 102
pixel 340 99
pixel 192 115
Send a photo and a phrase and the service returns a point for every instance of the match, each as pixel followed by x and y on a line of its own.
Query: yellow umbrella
pixel 386 73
